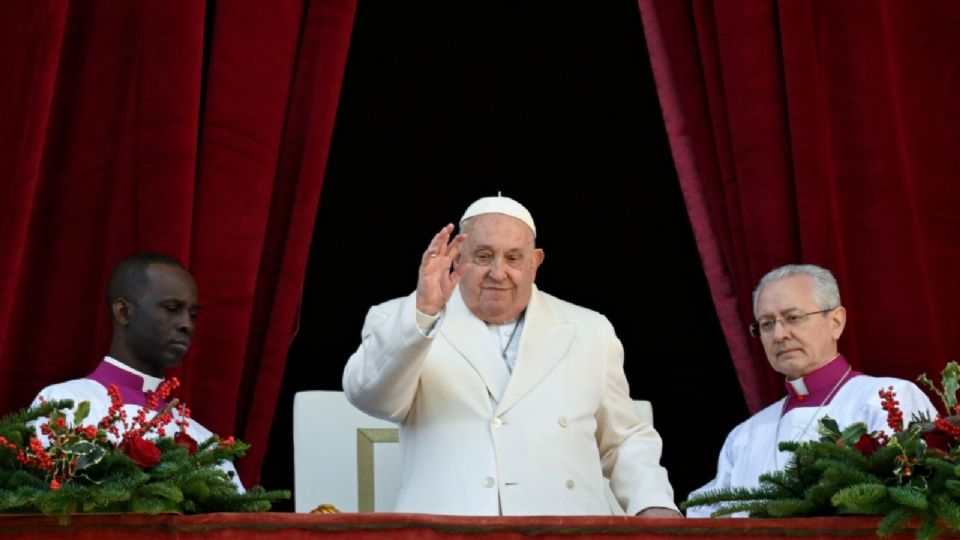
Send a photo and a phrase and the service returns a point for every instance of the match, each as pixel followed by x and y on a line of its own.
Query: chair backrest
pixel 344 457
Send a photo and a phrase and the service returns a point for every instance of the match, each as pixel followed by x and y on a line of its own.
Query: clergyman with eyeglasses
pixel 799 319
pixel 510 401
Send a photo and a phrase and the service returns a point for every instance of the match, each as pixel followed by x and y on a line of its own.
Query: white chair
pixel 346 458
pixel 342 456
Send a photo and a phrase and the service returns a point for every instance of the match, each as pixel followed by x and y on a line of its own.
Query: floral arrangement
pixel 118 464
pixel 913 473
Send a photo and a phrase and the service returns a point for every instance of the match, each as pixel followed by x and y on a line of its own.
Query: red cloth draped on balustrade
pixel 822 132
pixel 198 129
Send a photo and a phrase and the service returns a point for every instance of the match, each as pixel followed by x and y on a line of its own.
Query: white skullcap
pixel 499 205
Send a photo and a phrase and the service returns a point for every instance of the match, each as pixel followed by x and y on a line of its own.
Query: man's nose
pixel 780 330
pixel 497 270
pixel 186 324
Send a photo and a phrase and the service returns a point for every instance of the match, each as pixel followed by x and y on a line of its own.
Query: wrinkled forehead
pixel 497 231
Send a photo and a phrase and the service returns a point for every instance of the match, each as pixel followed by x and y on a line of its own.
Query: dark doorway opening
pixel 554 105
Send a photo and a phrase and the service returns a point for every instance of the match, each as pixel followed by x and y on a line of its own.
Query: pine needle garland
pixel 53 463
pixel 912 474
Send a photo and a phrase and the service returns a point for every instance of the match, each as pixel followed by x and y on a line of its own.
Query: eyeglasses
pixel 792 320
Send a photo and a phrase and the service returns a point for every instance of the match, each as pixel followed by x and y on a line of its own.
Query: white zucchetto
pixel 499 205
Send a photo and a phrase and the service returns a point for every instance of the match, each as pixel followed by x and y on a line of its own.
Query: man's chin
pixel 172 359
pixel 793 365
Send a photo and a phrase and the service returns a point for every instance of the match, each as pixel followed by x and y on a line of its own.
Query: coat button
pixel 570 484
pixel 562 421
pixel 497 422
pixel 488 481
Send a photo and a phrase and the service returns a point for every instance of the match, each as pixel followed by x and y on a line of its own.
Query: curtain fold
pixel 197 129
pixel 821 132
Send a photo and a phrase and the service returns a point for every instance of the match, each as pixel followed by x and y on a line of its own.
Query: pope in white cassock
pixel 510 401
pixel 799 320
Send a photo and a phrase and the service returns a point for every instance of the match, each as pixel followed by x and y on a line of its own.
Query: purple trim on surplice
pixel 820 383
pixel 130 384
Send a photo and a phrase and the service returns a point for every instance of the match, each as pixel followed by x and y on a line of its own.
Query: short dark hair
pixel 129 278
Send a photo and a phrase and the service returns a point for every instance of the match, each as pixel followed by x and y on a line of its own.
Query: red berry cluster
pixel 892 406
pixel 116 416
pixel 116 420
pixel 58 462
pixel 37 457
pixel 882 438
pixel 946 426
pixel 132 436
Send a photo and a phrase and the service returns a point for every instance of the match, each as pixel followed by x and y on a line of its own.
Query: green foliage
pixel 102 478
pixel 850 471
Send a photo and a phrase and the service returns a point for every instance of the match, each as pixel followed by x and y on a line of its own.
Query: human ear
pixel 120 309
pixel 538 256
pixel 838 321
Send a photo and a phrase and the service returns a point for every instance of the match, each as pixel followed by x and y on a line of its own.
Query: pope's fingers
pixel 453 249
pixel 437 244
pixel 439 241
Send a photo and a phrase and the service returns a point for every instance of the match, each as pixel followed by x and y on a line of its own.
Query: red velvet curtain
pixel 198 129
pixel 822 132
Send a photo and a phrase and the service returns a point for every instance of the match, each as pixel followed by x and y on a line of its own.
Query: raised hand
pixel 437 280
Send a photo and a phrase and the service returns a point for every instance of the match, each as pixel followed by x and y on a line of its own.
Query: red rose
pixel 183 439
pixel 143 452
pixel 938 440
pixel 867 445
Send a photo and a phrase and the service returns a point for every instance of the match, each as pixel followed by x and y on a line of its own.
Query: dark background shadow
pixel 554 105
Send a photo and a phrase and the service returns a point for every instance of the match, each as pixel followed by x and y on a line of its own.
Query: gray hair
pixel 826 292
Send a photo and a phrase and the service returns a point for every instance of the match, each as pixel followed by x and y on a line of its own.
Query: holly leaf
pixel 951 382
pixel 83 410
pixel 90 457
pixel 853 433
pixel 829 430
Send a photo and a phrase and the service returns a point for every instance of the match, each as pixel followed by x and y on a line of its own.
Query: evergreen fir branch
pixel 929 527
pixel 753 509
pixel 105 498
pixel 908 496
pixel 161 490
pixel 791 508
pixel 19 419
pixel 844 473
pixel 789 446
pixel 19 500
pixel 941 465
pixel 255 500
pixel 152 505
pixel 17 427
pixel 20 478
pixel 947 510
pixel 837 476
pixel 786 483
pixel 895 521
pixel 715 496
pixel 952 487
pixel 868 498
pixel 838 453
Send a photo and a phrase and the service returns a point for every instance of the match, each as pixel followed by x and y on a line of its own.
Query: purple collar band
pixel 822 384
pixel 130 384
